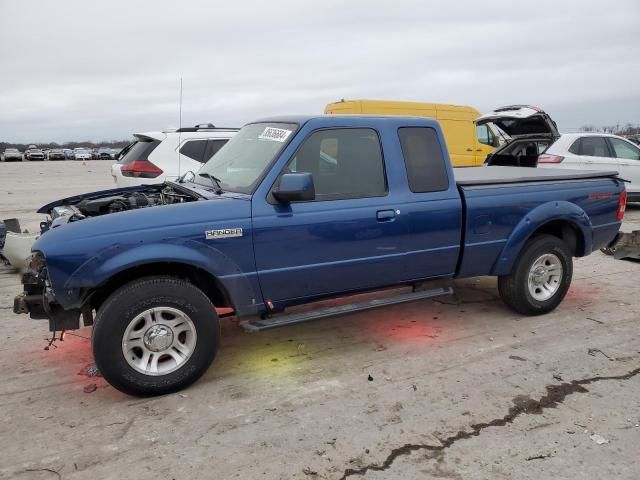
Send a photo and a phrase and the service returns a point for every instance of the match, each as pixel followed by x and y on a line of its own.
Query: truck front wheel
pixel 155 335
pixel 540 278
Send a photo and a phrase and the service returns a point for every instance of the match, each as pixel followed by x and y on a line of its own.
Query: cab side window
pixel 426 170
pixel 345 163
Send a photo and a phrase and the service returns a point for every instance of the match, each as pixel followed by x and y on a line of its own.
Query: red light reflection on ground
pixel 420 329
pixel 583 293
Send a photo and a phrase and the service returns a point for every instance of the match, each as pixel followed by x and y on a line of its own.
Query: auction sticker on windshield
pixel 275 134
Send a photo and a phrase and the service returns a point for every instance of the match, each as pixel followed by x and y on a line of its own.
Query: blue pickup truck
pixel 294 210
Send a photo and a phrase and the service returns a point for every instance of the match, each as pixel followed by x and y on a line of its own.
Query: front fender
pixel 120 257
pixel 541 215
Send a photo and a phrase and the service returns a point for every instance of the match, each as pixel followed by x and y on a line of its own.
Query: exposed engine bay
pixel 104 203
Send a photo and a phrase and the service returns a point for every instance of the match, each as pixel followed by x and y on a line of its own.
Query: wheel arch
pixel 561 219
pixel 210 285
pixel 214 272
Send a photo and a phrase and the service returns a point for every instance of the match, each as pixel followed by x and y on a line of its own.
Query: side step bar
pixel 257 325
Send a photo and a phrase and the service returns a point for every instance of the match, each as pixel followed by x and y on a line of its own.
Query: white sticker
pixel 275 134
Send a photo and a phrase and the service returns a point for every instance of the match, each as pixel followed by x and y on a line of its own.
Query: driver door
pixel 348 238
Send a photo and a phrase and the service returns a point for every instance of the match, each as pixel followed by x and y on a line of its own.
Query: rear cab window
pixel 138 150
pixel 426 169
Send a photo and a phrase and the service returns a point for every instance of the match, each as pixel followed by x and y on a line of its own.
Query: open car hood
pixel 520 121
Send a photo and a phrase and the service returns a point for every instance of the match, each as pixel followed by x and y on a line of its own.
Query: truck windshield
pixel 240 164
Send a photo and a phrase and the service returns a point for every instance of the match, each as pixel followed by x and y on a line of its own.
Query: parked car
pixel 81 154
pixel 467 143
pixel 294 210
pixel 68 154
pixel 12 155
pixel 158 156
pixel 105 153
pixel 599 151
pixel 33 153
pixel 55 154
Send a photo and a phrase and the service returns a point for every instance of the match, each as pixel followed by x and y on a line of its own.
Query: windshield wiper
pixel 215 181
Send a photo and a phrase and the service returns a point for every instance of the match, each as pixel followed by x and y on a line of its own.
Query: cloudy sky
pixel 84 70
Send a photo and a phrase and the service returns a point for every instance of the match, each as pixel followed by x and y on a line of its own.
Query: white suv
pixel 166 155
pixel 597 151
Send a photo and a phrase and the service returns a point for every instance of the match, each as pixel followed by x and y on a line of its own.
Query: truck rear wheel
pixel 540 278
pixel 155 335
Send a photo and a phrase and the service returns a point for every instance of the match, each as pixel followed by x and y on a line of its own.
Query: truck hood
pixel 196 190
pixel 90 196
pixel 521 121
pixel 143 225
pixel 126 200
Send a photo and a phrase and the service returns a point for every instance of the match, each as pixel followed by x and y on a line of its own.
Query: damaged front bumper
pixel 39 302
pixel 625 245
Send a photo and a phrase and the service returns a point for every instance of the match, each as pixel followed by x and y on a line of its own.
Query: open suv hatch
pixel 529 132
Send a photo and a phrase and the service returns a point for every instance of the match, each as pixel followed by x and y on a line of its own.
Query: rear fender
pixel 538 217
pixel 117 258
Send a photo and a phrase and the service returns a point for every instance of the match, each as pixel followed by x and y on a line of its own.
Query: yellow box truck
pixel 468 145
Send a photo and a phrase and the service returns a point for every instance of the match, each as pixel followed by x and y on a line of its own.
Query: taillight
pixel 545 158
pixel 140 169
pixel 622 205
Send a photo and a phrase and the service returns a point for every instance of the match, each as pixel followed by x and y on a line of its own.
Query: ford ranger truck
pixel 293 210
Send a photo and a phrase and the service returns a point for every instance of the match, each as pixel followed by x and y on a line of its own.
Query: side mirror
pixel 295 187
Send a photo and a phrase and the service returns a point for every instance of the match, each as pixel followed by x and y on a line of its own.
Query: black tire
pixel 118 311
pixel 514 288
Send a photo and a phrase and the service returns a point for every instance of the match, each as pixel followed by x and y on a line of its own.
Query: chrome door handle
pixel 385 215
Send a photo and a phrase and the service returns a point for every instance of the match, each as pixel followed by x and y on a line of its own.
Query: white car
pixel 81 154
pixel 597 151
pixel 166 155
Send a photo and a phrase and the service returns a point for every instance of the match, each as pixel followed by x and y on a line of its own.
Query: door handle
pixel 385 215
pixel 479 150
pixel 469 149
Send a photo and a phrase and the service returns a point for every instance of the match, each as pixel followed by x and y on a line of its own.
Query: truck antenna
pixel 179 129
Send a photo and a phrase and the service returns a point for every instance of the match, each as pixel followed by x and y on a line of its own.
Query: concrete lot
pixel 453 388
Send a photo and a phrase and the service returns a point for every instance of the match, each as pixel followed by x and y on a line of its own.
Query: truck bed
pixel 501 175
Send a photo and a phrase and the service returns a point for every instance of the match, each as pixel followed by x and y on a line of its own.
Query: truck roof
pixel 356 120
